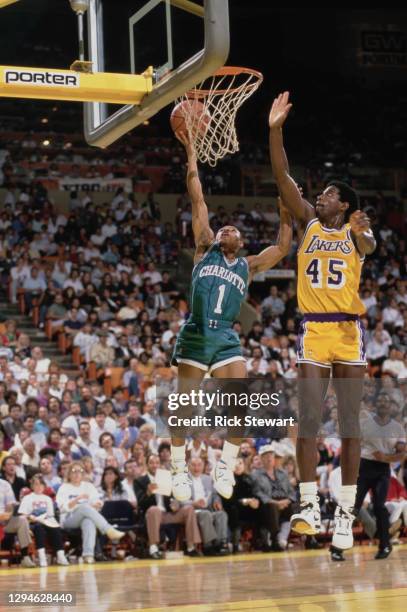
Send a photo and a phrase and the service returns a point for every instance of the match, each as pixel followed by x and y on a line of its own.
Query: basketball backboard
pixel 152 41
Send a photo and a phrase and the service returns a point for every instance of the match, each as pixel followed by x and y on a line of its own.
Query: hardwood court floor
pixel 298 581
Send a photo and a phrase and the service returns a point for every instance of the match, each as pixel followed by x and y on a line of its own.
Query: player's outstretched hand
pixel 279 111
pixel 359 222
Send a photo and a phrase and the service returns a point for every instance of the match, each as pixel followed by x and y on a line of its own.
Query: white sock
pixel 229 454
pixel 41 554
pixel 153 548
pixel 61 555
pixel 347 496
pixel 190 548
pixel 178 455
pixel 309 491
pixel 284 532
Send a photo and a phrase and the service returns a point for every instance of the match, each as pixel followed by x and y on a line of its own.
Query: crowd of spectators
pixel 105 277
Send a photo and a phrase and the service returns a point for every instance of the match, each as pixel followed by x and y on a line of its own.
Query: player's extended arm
pixel 269 257
pixel 203 234
pixel 301 210
pixel 361 233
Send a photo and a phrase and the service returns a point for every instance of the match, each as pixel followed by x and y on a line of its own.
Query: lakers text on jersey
pixel 218 288
pixel 329 268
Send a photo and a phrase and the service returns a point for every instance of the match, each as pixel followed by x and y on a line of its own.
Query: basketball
pixel 200 117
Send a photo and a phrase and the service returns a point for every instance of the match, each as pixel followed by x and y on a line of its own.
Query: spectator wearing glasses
pixel 79 506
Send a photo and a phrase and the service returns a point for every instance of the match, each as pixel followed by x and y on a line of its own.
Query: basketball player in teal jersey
pixel 207 343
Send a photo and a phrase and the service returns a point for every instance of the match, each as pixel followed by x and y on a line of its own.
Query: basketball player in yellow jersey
pixel 334 238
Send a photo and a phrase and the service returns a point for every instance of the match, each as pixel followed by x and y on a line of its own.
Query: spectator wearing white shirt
pixel 107 449
pixel 85 441
pixel 401 296
pixel 41 363
pixel 394 364
pixel 263 365
pixel 109 229
pixel 61 272
pixel 39 510
pixel 79 504
pixel 378 348
pixel 212 519
pixel 273 305
pixel 369 299
pixel 170 333
pixel 403 373
pixel 17 453
pixel 152 274
pixel 72 421
pixel 98 426
pixel 85 339
pixel 131 472
pixel 18 274
pixel 98 238
pixel 392 316
pixel 34 285
pixel 74 281
pixel 91 251
pixel 31 457
pixel 383 442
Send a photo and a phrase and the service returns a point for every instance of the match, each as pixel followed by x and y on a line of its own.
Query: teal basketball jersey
pixel 218 286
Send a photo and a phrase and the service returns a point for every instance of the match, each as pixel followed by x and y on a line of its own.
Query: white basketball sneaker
pixel 181 483
pixel 308 520
pixel 343 535
pixel 223 479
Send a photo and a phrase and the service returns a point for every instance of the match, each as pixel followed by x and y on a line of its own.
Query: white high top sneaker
pixel 181 482
pixel 343 535
pixel 308 520
pixel 223 479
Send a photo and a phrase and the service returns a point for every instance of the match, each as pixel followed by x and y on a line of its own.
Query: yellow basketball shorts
pixel 328 338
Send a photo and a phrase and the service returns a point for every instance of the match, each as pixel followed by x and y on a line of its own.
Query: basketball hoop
pixel 221 96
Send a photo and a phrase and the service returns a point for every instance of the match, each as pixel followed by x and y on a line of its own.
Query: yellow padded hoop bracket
pixel 4 3
pixel 73 86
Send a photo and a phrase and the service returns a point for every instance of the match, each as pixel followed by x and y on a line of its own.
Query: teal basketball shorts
pixel 207 346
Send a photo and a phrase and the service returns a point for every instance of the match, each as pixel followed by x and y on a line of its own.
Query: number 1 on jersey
pixel 218 308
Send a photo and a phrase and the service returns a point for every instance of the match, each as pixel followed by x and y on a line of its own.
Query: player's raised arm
pixel 203 234
pixel 269 257
pixel 302 210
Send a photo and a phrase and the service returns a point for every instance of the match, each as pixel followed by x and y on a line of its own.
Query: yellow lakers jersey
pixel 329 268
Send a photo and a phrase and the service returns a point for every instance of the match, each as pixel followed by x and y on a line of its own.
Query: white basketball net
pixel 222 95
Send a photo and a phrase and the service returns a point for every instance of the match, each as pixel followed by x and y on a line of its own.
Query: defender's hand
pixel 279 111
pixel 359 222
